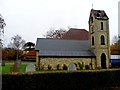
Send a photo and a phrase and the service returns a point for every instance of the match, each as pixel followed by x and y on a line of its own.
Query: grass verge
pixel 6 68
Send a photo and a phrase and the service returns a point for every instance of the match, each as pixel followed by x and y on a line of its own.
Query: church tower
pixel 99 37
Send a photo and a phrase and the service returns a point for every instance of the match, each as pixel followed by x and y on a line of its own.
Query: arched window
pixel 92 40
pixel 102 40
pixel 101 25
pixel 92 19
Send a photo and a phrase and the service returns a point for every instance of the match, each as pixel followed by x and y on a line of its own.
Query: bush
pixel 41 67
pixel 64 81
pixel 87 67
pixel 58 67
pixel 65 67
pixel 81 66
pixel 49 67
pixel 99 68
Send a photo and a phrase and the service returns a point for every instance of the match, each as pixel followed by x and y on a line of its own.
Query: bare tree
pixel 17 43
pixel 114 39
pixel 52 33
pixel 2 25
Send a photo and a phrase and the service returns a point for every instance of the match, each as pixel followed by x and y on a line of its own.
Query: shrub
pixel 99 68
pixel 41 67
pixel 93 80
pixel 87 67
pixel 91 65
pixel 65 67
pixel 58 66
pixel 49 67
pixel 81 66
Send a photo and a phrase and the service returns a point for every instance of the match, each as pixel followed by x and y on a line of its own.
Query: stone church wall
pixel 53 62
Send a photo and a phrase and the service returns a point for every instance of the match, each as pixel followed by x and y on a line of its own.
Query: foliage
pixel 55 33
pixel 2 23
pixel 17 42
pixel 29 46
pixel 49 67
pixel 118 46
pixel 58 66
pixel 115 47
pixel 64 81
pixel 10 53
pixel 65 67
pixel 87 67
pixel 42 67
pixel 81 66
pixel 99 68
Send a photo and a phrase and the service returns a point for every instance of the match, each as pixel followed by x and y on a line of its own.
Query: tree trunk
pixel 17 55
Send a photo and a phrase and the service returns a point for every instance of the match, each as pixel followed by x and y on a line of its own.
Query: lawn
pixel 6 68
pixel 23 67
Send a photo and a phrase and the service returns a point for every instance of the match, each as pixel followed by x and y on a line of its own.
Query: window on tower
pixel 92 19
pixel 92 31
pixel 92 40
pixel 101 25
pixel 102 40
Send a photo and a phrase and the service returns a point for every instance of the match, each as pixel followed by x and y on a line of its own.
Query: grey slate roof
pixel 59 47
pixel 99 14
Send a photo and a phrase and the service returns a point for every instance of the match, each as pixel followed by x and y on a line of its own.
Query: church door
pixel 103 61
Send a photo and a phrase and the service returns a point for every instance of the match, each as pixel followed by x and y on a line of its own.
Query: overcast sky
pixel 31 19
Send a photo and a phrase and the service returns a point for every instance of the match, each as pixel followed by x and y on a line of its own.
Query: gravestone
pixel 72 66
pixel 18 62
pixel 30 68
pixel 16 66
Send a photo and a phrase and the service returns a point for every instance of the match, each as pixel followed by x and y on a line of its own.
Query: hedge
pixel 62 80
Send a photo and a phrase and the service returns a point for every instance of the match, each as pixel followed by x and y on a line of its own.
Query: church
pixel 89 48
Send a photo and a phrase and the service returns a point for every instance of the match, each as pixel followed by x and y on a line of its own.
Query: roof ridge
pixel 77 28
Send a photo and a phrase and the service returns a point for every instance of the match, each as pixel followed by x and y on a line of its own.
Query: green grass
pixel 6 68
pixel 23 67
